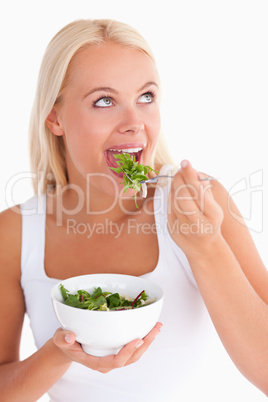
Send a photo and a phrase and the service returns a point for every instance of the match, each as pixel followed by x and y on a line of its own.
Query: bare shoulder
pixel 10 241
pixel 12 307
pixel 238 237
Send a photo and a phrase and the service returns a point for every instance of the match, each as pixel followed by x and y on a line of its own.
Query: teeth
pixel 128 150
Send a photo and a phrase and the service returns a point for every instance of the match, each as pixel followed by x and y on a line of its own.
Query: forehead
pixel 110 61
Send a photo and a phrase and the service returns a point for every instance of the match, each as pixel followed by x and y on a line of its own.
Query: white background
pixel 213 61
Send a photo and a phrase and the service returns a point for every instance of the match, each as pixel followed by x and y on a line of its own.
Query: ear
pixel 53 124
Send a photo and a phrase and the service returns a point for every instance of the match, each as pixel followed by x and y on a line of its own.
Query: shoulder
pixel 10 241
pixel 10 224
pixel 12 297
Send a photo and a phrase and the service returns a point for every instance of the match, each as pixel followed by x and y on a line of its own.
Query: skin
pixel 228 270
pixel 130 118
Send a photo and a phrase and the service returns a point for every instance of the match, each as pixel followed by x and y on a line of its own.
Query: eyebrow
pixel 112 90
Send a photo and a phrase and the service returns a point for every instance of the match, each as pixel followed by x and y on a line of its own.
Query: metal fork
pixel 156 178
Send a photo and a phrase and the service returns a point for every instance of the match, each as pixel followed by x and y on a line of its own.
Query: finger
pixel 65 339
pixel 194 190
pixel 108 363
pixel 185 200
pixel 189 174
pixel 126 353
pixel 148 339
pixel 130 353
pixel 186 191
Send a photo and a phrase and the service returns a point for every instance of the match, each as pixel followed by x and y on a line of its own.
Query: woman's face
pixel 110 105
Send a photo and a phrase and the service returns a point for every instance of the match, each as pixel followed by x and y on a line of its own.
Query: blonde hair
pixel 47 151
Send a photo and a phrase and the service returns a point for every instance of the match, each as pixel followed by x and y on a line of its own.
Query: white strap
pixel 33 214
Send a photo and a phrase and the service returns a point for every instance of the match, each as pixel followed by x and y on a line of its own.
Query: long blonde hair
pixel 47 151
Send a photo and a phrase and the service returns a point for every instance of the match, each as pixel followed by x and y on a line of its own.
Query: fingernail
pixel 184 164
pixel 139 344
pixel 67 338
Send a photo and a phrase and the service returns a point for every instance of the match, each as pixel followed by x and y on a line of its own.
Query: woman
pixel 98 95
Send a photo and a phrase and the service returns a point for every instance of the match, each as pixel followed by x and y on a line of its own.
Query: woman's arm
pixel 228 270
pixel 29 379
pixel 20 381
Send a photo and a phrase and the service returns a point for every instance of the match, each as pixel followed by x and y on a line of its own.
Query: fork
pixel 156 178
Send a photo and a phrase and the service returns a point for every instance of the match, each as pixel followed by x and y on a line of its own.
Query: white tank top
pixel 173 354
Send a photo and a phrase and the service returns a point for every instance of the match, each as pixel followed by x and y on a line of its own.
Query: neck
pixel 95 206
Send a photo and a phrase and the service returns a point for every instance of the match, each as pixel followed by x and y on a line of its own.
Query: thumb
pixel 63 338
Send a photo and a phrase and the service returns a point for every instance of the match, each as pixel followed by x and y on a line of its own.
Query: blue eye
pixel 146 98
pixel 103 102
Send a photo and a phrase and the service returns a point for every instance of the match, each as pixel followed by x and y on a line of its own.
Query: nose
pixel 130 122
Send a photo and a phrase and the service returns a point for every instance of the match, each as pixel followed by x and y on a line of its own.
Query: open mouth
pixel 111 160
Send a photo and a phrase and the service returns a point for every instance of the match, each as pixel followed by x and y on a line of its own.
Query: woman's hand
pixel 195 219
pixel 130 353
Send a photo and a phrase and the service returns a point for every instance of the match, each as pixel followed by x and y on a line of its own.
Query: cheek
pixel 82 132
pixel 81 143
pixel 155 126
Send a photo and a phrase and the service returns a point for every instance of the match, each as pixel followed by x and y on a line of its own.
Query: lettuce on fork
pixel 134 174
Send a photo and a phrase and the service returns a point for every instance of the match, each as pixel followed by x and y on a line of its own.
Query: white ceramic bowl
pixel 102 333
